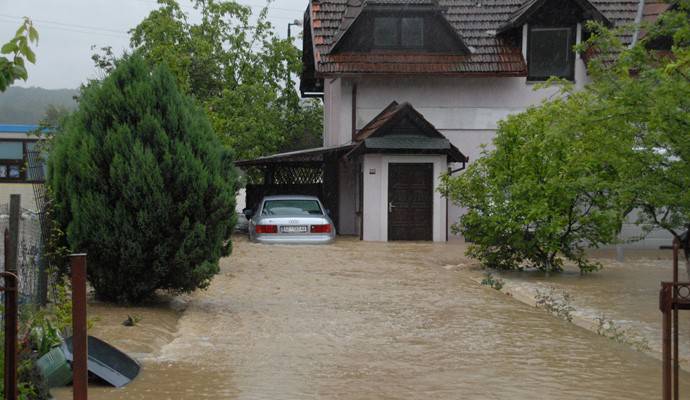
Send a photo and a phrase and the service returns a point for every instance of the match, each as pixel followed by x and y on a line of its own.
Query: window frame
pixel 398 26
pixel 23 163
pixel 572 39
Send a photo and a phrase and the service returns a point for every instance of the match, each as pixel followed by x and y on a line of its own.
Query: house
pixel 412 89
pixel 21 167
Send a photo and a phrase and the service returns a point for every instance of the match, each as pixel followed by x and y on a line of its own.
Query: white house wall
pixel 375 218
pixel 465 110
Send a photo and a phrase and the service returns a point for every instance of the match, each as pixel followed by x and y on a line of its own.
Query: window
pixel 386 32
pixel 395 32
pixel 11 159
pixel 15 155
pixel 412 32
pixel 550 53
pixel 291 207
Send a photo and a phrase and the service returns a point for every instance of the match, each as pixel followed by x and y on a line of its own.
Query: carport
pixel 307 172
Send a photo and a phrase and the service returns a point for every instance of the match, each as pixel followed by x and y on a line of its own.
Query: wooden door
pixel 410 201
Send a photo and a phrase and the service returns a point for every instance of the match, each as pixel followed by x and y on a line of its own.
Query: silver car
pixel 290 219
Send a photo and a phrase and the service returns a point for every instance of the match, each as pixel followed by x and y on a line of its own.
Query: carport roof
pixel 307 155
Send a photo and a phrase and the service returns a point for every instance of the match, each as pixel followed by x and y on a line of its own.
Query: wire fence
pixel 29 254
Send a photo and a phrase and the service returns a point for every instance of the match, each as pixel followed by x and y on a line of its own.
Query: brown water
pixel 367 321
pixel 625 292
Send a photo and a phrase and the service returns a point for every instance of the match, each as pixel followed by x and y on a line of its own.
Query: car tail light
pixel 267 229
pixel 321 228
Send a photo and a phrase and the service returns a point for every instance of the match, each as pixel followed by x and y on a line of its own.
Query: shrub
pixel 493 282
pixel 558 304
pixel 142 184
pixel 547 191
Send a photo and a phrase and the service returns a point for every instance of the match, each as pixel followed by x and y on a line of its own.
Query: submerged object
pixel 106 362
pixel 55 368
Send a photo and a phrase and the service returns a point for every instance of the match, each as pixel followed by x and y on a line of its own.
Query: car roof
pixel 291 197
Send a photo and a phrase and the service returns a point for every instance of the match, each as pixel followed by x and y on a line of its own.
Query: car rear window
pixel 291 207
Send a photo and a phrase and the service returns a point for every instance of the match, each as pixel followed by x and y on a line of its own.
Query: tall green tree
pixel 620 145
pixel 647 92
pixel 142 185
pixel 238 69
pixel 19 51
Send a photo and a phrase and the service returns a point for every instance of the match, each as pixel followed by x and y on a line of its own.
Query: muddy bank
pixel 624 294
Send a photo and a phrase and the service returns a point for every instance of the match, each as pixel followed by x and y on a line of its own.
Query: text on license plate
pixel 293 229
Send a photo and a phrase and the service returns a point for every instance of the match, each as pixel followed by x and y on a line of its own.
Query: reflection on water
pixel 371 321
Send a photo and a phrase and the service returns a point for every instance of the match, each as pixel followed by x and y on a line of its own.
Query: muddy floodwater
pixel 359 320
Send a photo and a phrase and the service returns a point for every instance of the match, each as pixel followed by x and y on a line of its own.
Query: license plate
pixel 293 229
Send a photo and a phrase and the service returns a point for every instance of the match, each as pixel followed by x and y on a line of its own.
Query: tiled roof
pixel 475 21
pixel 387 131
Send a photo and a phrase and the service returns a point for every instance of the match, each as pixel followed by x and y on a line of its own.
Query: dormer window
pixel 550 53
pixel 398 33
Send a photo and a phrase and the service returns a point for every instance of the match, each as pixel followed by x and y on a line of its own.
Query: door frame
pixel 430 166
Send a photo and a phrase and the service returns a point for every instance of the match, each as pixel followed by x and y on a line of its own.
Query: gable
pixel 399 128
pixel 436 35
pixel 554 13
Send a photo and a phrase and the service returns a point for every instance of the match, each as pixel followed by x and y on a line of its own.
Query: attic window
pixel 396 32
pixel 550 53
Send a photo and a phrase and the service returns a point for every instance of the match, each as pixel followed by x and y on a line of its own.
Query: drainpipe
pixel 451 172
pixel 354 110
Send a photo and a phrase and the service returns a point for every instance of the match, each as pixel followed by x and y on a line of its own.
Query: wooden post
pixel 10 288
pixel 11 251
pixel 79 338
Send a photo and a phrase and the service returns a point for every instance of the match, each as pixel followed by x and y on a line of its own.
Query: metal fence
pixel 29 255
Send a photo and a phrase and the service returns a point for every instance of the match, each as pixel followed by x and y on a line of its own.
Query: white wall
pixel 24 189
pixel 376 194
pixel 465 110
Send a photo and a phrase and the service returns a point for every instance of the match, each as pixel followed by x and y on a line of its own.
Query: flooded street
pixel 358 320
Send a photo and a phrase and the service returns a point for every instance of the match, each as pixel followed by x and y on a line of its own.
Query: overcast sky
pixel 68 29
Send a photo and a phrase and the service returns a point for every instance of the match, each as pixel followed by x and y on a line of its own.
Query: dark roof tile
pixel 476 22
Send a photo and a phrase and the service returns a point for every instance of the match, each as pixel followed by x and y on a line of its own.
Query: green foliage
pixel 609 329
pixel 142 185
pixel 238 69
pixel 493 282
pixel 19 51
pixel 648 93
pixel 545 192
pixel 558 304
pixel 564 175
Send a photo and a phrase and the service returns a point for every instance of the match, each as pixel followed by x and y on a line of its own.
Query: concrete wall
pixel 24 189
pixel 376 194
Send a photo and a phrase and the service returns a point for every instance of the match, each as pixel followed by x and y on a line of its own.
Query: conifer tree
pixel 142 184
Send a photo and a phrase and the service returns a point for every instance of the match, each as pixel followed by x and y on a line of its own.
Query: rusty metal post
pixel 10 288
pixel 666 354
pixel 79 338
pixel 676 246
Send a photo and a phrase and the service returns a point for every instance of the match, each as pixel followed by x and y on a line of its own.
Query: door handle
pixel 390 206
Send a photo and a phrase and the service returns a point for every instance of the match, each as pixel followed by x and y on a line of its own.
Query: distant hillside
pixel 28 105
